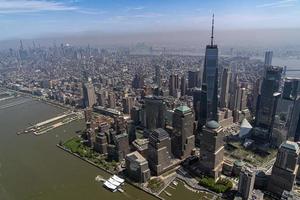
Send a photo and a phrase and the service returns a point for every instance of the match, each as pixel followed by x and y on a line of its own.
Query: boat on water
pixel 175 183
pixel 120 190
pixel 167 193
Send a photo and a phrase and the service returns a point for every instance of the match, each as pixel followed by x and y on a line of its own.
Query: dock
pixel 50 124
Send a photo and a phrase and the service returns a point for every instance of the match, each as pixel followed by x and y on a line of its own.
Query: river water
pixel 33 168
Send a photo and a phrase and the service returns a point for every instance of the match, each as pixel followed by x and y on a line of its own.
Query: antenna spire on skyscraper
pixel 212 30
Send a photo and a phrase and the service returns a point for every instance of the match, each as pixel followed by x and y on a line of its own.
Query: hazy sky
pixel 33 18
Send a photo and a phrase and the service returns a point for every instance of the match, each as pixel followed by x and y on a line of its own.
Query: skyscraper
pixel 128 103
pixel 197 96
pixel 158 75
pixel 183 86
pixel 89 96
pixel 159 151
pixel 294 128
pixel 155 110
pixel 285 168
pixel 268 100
pixel 246 183
pixel 194 79
pixel 138 81
pixel 210 79
pixel 173 85
pixel 101 99
pixel 111 100
pixel 256 93
pixel 122 145
pixel 224 97
pixel 212 149
pixel 268 58
pixel 183 140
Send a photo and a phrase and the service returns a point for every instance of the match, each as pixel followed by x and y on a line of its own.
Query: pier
pixel 55 122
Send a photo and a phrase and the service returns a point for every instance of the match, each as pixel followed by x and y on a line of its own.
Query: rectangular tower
pixel 285 168
pixel 159 151
pixel 183 139
pixel 212 149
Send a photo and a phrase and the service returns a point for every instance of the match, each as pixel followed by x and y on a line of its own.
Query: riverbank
pixel 107 171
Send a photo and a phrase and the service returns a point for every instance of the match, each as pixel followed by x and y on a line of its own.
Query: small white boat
pixel 167 193
pixel 120 190
pixel 175 183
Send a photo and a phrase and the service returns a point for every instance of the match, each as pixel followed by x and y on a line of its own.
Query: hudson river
pixel 33 168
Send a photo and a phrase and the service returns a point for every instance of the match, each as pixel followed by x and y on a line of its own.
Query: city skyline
pixel 37 18
pixel 153 113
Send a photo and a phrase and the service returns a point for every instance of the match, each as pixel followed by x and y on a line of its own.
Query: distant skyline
pixel 39 18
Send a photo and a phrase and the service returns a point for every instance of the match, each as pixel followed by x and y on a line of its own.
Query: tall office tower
pixel 101 99
pixel 285 168
pixel 287 112
pixel 194 79
pixel 128 103
pixel 294 129
pixel 268 101
pixel 210 79
pixel 137 167
pixel 158 75
pixel 183 139
pixel 243 101
pixel 155 110
pixel 291 93
pixel 197 96
pixel 89 96
pixel 111 100
pixel 122 146
pixel 291 89
pixel 212 149
pixel 183 85
pixel 246 183
pixel 224 97
pixel 131 130
pixel 173 85
pixel 284 72
pixel 159 151
pixel 138 81
pixel 233 91
pixel 268 58
pixel 256 93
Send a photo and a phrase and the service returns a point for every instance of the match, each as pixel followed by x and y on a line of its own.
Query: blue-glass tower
pixel 209 103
